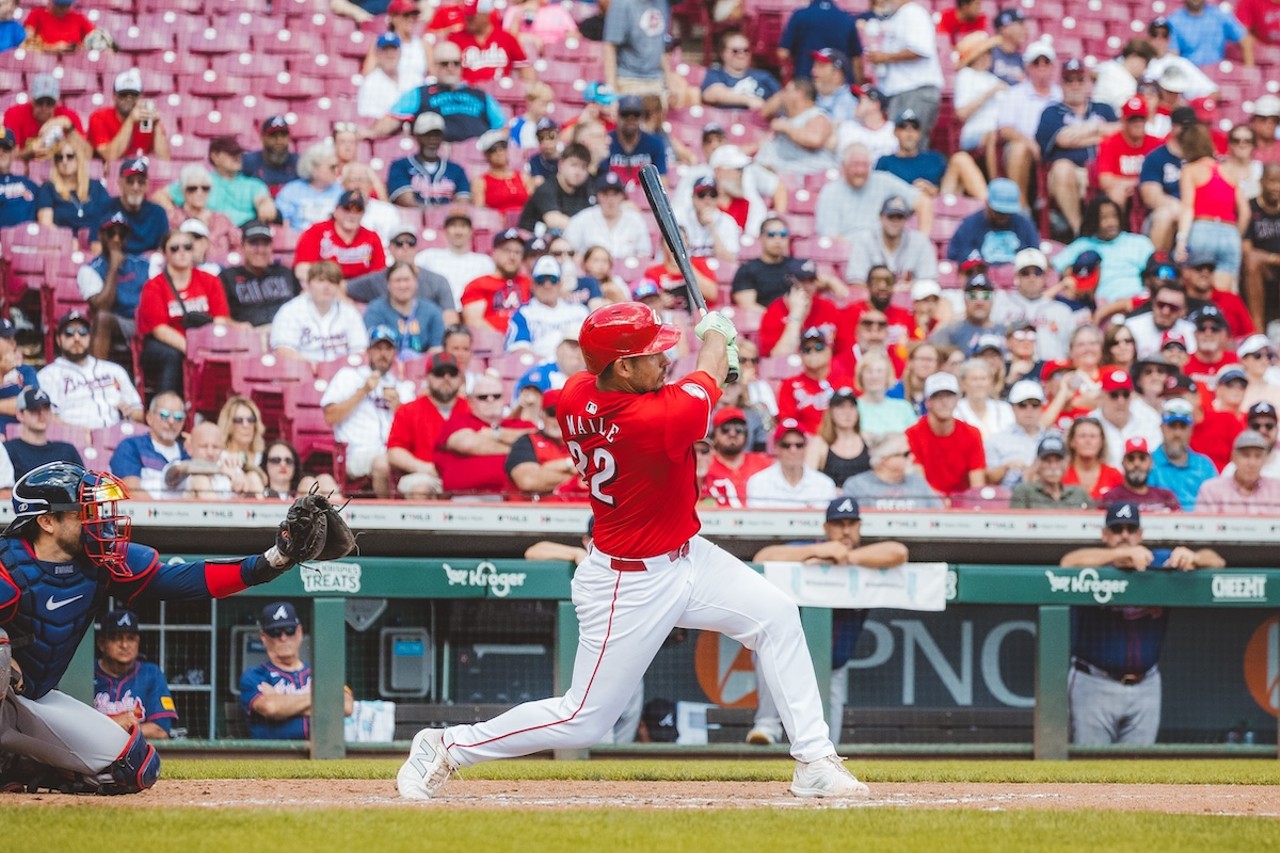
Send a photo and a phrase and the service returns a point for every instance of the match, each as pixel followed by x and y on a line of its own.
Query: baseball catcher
pixel 67 550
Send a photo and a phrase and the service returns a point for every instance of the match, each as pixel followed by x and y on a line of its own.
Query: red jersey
pixel 1108 479
pixel 804 398
pixel 1260 17
pixel 105 123
pixel 1203 372
pixel 466 473
pixel 71 28
pixel 322 242
pixel 501 297
pixel 21 119
pixel 496 57
pixel 1215 434
pixel 947 459
pixel 157 306
pixel 636 453
pixel 416 426
pixel 950 24
pixel 728 486
pixel 1116 156
pixel 823 314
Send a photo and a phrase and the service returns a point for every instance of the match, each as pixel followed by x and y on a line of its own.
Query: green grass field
pixel 90 824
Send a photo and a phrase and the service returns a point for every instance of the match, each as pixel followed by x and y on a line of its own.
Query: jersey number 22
pixel 605 469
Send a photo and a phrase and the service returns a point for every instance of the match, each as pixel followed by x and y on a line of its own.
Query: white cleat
pixel 427 768
pixel 760 736
pixel 826 777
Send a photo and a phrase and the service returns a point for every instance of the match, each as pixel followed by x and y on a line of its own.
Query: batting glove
pixel 714 321
pixel 732 353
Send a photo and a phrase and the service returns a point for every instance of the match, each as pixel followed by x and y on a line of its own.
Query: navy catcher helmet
pixel 95 496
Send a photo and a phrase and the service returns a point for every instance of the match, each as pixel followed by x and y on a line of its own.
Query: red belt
pixel 620 565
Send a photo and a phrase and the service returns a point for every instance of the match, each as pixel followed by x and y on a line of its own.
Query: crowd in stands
pixel 972 263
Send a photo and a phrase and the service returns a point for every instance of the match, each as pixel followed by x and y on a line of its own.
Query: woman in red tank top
pixel 1215 212
pixel 501 188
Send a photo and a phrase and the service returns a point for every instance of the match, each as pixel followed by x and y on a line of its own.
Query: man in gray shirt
pixel 892 483
pixel 1012 451
pixel 853 204
pixel 635 33
pixel 908 253
pixel 979 294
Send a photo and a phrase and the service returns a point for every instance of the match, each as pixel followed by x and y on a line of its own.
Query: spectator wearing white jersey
pixel 86 391
pixel 317 325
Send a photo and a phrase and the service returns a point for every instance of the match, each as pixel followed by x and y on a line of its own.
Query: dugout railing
pixel 1048 591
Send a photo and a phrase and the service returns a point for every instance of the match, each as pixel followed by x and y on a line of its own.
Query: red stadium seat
pixel 207 367
pixel 139 40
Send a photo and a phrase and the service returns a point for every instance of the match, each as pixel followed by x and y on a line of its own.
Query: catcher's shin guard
pixel 137 768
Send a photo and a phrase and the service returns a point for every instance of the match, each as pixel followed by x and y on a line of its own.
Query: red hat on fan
pixel 1136 445
pixel 1135 107
pixel 1116 380
pixel 727 414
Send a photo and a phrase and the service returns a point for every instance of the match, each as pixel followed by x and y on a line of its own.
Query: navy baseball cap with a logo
pixel 33 398
pixel 279 614
pixel 119 622
pixel 842 508
pixel 7 328
pixel 1123 513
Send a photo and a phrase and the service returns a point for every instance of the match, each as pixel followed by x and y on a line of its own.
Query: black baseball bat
pixel 651 181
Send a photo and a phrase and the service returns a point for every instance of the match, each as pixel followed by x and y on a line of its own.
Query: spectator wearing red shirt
pixel 1222 420
pixel 949 452
pixel 40 124
pixel 473 444
pixel 411 444
pixel 489 51
pixel 129 127
pixel 731 463
pixel 801 309
pixel 1260 17
pixel 1086 459
pixel 489 301
pixel 57 28
pixel 881 283
pixel 805 396
pixel 343 240
pixel 965 18
pixel 180 297
pixel 1120 155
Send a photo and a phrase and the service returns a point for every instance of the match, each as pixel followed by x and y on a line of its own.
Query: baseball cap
pixel 225 145
pixel 1174 338
pixel 275 124
pixel 33 398
pixel 1087 270
pixel 895 205
pixel 134 166
pixel 1208 313
pixel 256 229
pixel 1253 344
pixel 546 267
pixel 785 426
pixel 941 383
pixel 1116 380
pixel 129 81
pixel 45 86
pixel 1125 512
pixel 7 139
pixel 442 361
pixel 729 157
pixel 427 123
pixel 813 333
pixel 115 220
pixel 630 104
pixel 1037 50
pixel 979 281
pixel 119 622
pixel 1173 79
pixel 1072 67
pixel 1051 445
pixel 1230 372
pixel 1183 116
pixel 806 270
pixel 610 181
pixel 842 508
pixel 830 55
pixel 535 246
pixel 382 334
pixel 1249 438
pixel 1005 17
pixel 1030 257
pixel 351 198
pixel 711 129
pixel 1002 196
pixel 1267 106
pixel 1136 445
pixel 727 414
pixel 7 329
pixel 550 399
pixel 1054 367
pixel 488 140
pixel 599 93
pixel 1262 407
pixel 388 40
pixel 1135 107
pixel 843 394
pixel 645 288
pixel 279 614
pixel 659 716
pixel 1159 22
pixel 870 92
pixel 194 226
pixel 1178 385
pixel 402 230
pixel 925 288
pixel 1177 411
pixel 1024 390
pixel 507 236
pixel 400 7
pixel 906 117
pixel 546 123
pixel 705 184
pixel 986 342
pixel 75 315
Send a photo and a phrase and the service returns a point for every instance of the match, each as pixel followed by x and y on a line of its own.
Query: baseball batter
pixel 631 437
pixel 66 551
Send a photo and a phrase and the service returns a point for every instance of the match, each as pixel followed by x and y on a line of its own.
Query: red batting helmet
pixel 623 330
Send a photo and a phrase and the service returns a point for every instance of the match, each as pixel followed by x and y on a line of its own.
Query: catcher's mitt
pixel 313 530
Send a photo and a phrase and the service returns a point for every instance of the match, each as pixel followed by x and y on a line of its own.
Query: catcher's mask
pixel 95 496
